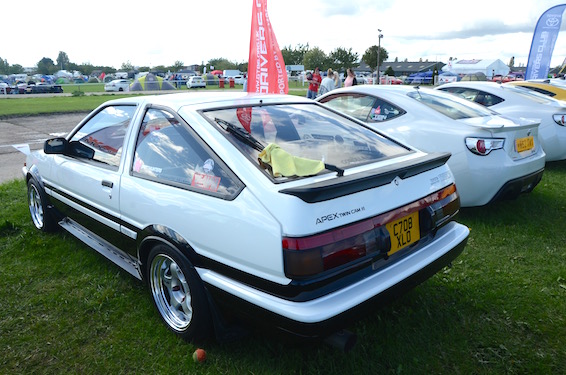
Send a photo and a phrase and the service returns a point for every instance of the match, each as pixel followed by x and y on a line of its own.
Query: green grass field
pixel 500 308
pixel 93 96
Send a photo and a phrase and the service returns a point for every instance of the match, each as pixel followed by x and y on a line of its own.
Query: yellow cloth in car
pixel 284 164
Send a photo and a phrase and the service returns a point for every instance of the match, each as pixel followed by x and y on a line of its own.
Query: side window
pixel 382 111
pixel 486 99
pixel 104 134
pixel 357 106
pixel 167 151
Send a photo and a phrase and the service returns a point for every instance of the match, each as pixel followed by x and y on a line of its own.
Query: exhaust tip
pixel 342 340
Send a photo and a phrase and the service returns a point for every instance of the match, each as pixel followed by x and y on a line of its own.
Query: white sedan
pixel 266 204
pixel 117 85
pixel 493 157
pixel 515 102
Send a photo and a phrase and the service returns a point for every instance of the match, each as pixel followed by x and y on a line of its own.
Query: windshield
pixel 306 131
pixel 450 105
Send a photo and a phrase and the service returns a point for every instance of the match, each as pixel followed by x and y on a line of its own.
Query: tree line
pixel 339 59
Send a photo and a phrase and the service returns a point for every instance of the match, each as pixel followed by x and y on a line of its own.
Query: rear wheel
pixel 37 202
pixel 178 293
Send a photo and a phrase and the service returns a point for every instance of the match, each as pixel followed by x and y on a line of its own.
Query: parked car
pixel 493 157
pixel 238 80
pixel 542 87
pixel 43 88
pixel 195 81
pixel 117 85
pixel 514 102
pixel 269 205
pixel 387 80
pixel 511 77
pixel 4 88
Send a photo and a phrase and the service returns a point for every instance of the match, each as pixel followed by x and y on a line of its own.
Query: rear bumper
pixel 512 189
pixel 331 311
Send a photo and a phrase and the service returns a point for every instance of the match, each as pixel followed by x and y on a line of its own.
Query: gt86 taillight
pixel 483 146
pixel 560 119
pixel 312 255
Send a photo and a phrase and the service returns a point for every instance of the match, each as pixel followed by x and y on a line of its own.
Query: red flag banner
pixel 244 115
pixel 266 68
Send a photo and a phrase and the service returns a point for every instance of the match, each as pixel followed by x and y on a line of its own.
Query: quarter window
pixel 364 107
pixel 167 151
pixel 481 97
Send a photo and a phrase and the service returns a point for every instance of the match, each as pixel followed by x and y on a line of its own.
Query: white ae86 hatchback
pixel 250 204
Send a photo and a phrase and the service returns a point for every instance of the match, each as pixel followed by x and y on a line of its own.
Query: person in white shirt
pixel 327 83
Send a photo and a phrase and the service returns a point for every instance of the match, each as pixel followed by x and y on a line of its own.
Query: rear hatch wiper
pixel 240 133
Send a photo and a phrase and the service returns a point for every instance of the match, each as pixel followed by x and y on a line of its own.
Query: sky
pixel 111 33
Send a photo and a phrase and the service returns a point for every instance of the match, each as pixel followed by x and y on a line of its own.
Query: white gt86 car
pixel 515 102
pixel 493 157
pixel 260 204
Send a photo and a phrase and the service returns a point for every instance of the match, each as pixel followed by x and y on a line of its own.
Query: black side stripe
pixel 97 211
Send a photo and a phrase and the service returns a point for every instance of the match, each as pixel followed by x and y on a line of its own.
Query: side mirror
pixel 63 147
pixel 55 146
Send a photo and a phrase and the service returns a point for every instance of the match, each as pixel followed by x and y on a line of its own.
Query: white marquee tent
pixel 487 67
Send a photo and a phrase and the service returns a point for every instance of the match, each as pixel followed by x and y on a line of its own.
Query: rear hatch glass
pixel 306 131
pixel 450 105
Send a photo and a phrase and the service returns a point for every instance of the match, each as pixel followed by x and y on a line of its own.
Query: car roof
pixel 178 100
pixel 389 90
pixel 508 92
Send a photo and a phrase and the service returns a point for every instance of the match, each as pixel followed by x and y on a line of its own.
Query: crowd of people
pixel 332 80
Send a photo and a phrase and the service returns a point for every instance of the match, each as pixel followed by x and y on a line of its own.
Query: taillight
pixel 312 255
pixel 483 146
pixel 560 119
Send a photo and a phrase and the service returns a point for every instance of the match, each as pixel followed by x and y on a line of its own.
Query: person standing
pixel 314 83
pixel 337 80
pixel 350 78
pixel 327 83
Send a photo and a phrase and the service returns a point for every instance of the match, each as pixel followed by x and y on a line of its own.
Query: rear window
pixel 450 105
pixel 307 131
pixel 531 95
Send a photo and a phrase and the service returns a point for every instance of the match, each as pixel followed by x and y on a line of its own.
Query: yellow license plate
pixel 403 232
pixel 524 144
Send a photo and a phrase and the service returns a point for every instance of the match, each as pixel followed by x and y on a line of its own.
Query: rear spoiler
pixel 338 187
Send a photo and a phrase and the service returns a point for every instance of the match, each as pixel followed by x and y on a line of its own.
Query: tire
pixel 41 217
pixel 178 294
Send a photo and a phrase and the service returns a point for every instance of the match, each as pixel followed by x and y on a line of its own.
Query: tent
pixel 488 67
pixel 477 76
pixel 150 82
pixel 420 77
pixel 62 80
pixel 210 79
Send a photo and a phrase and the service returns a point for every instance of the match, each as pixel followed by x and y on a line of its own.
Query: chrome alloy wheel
pixel 171 292
pixel 35 206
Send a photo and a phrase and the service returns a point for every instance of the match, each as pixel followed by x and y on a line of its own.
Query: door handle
pixel 108 184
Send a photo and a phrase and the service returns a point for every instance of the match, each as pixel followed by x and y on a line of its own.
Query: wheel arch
pixel 33 172
pixel 158 234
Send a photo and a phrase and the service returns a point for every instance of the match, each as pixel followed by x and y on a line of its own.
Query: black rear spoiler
pixel 338 187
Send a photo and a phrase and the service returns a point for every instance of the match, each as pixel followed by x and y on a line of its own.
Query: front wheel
pixel 178 293
pixel 37 202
